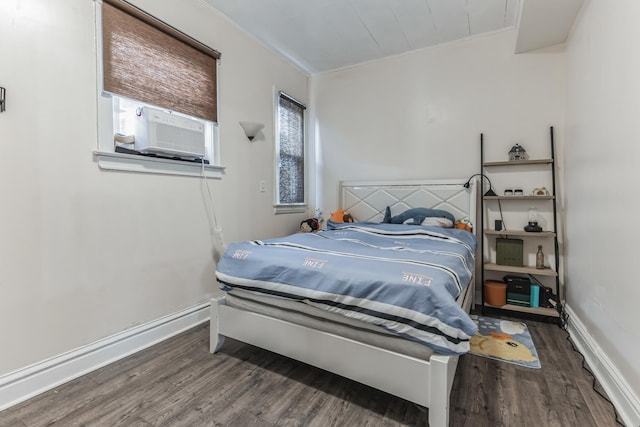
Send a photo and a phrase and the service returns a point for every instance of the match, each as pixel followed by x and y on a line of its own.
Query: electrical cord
pixel 504 225
pixel 564 320
pixel 216 231
pixel 563 323
pixel 213 211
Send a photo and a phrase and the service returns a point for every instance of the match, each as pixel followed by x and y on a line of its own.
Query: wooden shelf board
pixel 522 270
pixel 542 311
pixel 520 162
pixel 519 233
pixel 518 197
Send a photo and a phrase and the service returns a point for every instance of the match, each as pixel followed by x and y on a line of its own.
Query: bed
pixel 409 353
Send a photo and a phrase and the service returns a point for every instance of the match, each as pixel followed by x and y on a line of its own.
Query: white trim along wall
pixel 20 385
pixel 613 382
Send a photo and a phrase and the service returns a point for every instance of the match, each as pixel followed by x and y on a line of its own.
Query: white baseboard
pixel 20 385
pixel 617 388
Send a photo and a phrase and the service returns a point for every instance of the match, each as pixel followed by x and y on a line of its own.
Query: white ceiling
pixel 545 23
pixel 322 35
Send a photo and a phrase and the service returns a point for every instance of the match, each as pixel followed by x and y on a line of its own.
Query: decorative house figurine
pixel 517 152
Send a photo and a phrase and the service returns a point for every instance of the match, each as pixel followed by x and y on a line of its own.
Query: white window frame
pixel 105 154
pixel 283 208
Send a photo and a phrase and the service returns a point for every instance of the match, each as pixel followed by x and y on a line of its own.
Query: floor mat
pixel 504 340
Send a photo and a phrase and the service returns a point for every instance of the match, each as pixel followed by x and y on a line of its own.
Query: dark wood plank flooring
pixel 179 383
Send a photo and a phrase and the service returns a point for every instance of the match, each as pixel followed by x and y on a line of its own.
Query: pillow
pixel 417 216
pixel 434 221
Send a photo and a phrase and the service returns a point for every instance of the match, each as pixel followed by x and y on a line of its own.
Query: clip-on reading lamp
pixel 489 192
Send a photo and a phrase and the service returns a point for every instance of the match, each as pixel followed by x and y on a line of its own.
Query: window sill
pixel 289 209
pixel 154 165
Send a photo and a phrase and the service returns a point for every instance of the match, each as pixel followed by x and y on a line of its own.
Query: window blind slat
pixel 143 63
pixel 291 144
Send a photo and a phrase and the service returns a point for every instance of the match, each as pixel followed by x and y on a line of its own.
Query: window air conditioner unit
pixel 163 133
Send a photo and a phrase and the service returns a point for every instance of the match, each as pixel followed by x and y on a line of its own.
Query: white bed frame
pixel 427 383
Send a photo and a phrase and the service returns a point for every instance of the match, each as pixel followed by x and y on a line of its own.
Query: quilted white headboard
pixel 367 200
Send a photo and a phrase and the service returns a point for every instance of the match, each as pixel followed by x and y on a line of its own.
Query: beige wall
pixel 602 160
pixel 84 253
pixel 420 115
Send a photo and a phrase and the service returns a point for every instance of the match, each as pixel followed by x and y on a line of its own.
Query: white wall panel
pixel 85 253
pixel 420 115
pixel 602 158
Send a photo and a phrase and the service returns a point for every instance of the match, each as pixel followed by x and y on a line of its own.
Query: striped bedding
pixel 403 278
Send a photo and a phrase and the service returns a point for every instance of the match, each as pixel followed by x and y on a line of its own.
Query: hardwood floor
pixel 179 383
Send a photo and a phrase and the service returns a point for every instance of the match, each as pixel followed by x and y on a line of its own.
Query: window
pixel 290 152
pixel 146 63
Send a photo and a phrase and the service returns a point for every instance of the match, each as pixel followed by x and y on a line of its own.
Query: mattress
pixel 403 280
pixel 311 317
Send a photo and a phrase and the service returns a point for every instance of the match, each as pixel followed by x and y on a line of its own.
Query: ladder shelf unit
pixel 548 276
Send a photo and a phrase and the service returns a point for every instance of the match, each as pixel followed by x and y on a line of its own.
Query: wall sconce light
pixel 3 102
pixel 251 129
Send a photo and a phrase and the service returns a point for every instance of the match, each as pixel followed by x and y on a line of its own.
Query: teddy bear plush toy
pixel 341 216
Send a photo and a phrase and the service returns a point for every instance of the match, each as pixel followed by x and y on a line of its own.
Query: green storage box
pixel 518 299
pixel 509 252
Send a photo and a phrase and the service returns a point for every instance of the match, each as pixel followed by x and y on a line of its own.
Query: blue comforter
pixel 403 278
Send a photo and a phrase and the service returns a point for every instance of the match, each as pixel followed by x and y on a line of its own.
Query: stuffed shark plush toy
pixel 416 216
